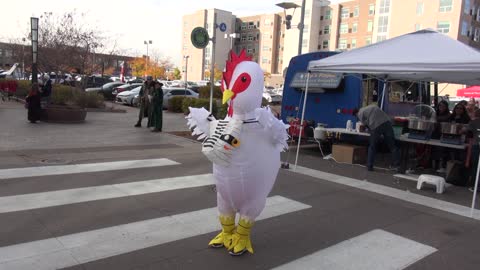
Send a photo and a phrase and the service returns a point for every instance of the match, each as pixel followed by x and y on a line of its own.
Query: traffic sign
pixel 199 37
pixel 223 27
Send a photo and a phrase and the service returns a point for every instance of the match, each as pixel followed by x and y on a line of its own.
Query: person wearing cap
pixel 144 102
pixel 156 113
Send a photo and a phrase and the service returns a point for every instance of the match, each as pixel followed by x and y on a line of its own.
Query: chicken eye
pixel 244 79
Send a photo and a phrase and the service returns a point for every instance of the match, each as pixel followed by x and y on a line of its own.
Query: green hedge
pixel 175 104
pixel 204 92
pixel 67 95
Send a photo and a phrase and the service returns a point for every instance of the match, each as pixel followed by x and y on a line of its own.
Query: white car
pixel 168 93
pixel 126 97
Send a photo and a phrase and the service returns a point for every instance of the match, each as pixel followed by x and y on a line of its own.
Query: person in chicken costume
pixel 244 149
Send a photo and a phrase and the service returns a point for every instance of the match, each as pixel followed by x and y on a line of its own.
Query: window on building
pixel 249 49
pixel 419 8
pixel 307 13
pixel 326 29
pixel 464 31
pixel 267 22
pixel 325 44
pixel 250 37
pixel 443 27
pixel 368 40
pixel 382 24
pixel 384 6
pixel 244 25
pixel 251 25
pixel 466 6
pixel 354 27
pixel 305 43
pixel 243 37
pixel 344 13
pixel 343 28
pixel 305 28
pixel 328 14
pixel 477 34
pixel 342 44
pixel 264 60
pixel 371 9
pixel 266 35
pixel 478 15
pixel 265 48
pixel 381 38
pixel 356 11
pixel 445 5
pixel 418 26
pixel 370 26
pixel 354 43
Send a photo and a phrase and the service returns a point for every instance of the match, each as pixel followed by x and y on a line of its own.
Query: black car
pixel 106 89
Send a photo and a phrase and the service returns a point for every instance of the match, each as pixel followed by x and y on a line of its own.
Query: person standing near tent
pixel 378 123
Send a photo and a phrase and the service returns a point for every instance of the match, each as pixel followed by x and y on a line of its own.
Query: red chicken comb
pixel 231 64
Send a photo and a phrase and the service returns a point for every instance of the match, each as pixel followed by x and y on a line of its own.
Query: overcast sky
pixel 126 21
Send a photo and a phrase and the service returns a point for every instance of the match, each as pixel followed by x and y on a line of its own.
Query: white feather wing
pixel 275 127
pixel 199 121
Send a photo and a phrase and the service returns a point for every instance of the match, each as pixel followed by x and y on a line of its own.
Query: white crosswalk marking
pixel 77 195
pixel 375 250
pixel 88 246
pixel 84 168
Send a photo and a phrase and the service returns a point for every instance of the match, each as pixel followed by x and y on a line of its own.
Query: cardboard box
pixel 349 153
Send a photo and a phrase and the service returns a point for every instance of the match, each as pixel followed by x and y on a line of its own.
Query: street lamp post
pixel 34 34
pixel 23 57
pixel 146 60
pixel 232 37
pixel 186 70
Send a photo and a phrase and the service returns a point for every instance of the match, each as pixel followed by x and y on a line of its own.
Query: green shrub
pixel 62 95
pixel 175 104
pixel 204 92
pixel 188 102
pixel 23 88
pixel 89 99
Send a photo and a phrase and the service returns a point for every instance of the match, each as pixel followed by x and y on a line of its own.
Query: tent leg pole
pixel 301 121
pixel 383 94
pixel 475 189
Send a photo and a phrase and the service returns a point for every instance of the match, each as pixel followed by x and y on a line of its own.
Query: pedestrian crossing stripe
pixel 375 250
pixel 83 247
pixel 84 168
pixel 78 195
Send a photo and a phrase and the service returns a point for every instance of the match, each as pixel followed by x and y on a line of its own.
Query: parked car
pixel 125 87
pixel 126 97
pixel 95 81
pixel 168 93
pixel 106 89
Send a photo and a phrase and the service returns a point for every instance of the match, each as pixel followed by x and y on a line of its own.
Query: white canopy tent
pixel 422 56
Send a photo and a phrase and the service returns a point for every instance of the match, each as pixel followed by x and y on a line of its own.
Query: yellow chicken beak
pixel 227 95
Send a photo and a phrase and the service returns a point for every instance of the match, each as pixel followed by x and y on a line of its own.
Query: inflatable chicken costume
pixel 245 150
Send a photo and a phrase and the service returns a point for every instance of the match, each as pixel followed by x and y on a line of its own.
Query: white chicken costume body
pixel 245 150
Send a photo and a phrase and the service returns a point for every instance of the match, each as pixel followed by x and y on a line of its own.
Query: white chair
pixel 437 181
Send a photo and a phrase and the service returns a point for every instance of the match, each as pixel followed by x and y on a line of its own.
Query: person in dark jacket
pixel 33 104
pixel 156 114
pixel 378 123
pixel 144 101
pixel 460 115
pixel 46 89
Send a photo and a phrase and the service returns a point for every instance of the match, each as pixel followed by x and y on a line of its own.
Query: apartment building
pixel 262 37
pixel 199 60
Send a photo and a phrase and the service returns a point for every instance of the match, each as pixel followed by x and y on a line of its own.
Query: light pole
pixel 146 59
pixel 232 37
pixel 186 69
pixel 23 57
pixel 288 18
pixel 34 34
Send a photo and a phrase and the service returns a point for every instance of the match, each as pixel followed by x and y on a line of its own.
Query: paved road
pixel 151 205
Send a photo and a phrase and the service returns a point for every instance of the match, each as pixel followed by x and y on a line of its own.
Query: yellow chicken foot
pixel 241 238
pixel 224 238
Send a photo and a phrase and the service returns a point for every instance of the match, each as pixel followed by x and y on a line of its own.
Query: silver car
pixel 168 93
pixel 126 97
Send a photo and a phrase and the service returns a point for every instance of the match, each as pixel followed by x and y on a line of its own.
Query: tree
pixel 156 68
pixel 177 74
pixel 266 75
pixel 218 75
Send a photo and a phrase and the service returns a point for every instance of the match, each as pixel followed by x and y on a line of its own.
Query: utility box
pixel 351 154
